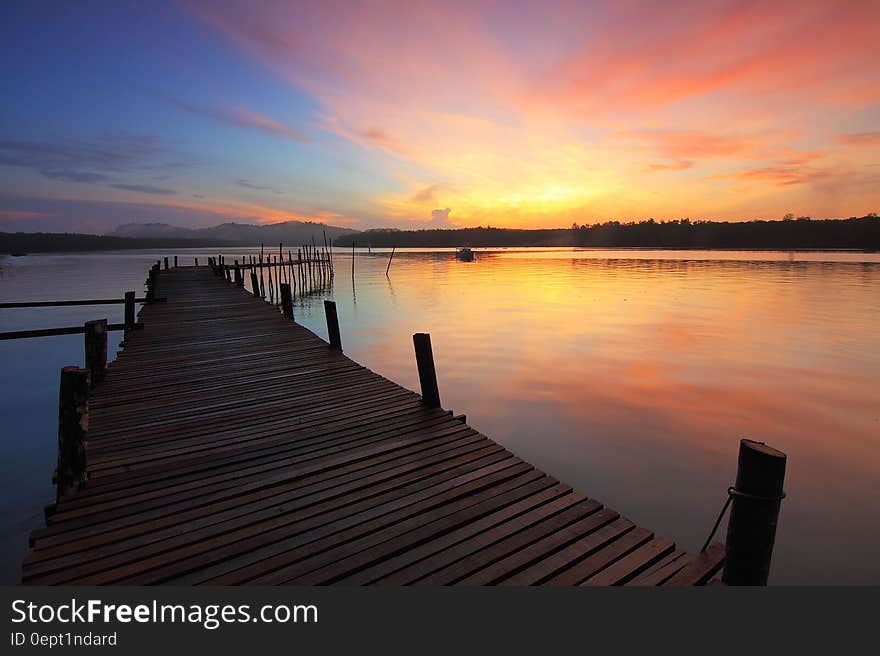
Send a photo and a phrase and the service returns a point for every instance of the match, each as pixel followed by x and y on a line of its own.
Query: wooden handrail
pixel 66 330
pixel 94 301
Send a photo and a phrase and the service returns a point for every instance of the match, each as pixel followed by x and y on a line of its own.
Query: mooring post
pixel 333 325
pixel 754 512
pixel 96 349
pixel 151 282
pixel 73 424
pixel 129 312
pixel 197 261
pixel 175 261
pixel 239 278
pixel 427 373
pixel 286 300
pixel 166 262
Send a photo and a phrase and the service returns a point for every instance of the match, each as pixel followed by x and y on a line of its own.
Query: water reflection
pixel 628 374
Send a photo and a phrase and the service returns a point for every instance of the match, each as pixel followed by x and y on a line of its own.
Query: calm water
pixel 631 375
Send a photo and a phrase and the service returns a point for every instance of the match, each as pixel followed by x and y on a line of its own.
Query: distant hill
pixel 291 233
pixel 861 233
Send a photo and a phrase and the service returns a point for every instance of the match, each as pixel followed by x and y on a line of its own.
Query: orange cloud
pixel 860 138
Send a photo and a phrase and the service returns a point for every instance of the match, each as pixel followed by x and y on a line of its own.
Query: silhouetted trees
pixel 46 242
pixel 854 233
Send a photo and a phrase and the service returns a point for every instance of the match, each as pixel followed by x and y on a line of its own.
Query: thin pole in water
pixel 388 268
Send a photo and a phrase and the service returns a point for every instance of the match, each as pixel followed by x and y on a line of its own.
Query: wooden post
pixel 754 512
pixel 166 262
pixel 73 424
pixel 196 260
pixel 129 312
pixel 427 373
pixel 286 300
pixel 239 278
pixel 333 325
pixel 255 286
pixel 175 261
pixel 96 349
pixel 388 268
pixel 151 284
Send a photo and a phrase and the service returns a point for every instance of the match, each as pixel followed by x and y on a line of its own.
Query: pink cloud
pixel 245 118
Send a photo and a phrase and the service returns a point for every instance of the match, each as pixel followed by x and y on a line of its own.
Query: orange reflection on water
pixel 633 378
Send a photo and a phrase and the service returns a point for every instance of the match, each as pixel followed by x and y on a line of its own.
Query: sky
pixel 420 114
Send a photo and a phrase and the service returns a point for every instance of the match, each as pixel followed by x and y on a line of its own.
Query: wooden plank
pixel 630 565
pixel 702 568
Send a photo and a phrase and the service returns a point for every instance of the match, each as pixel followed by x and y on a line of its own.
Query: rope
pixel 733 492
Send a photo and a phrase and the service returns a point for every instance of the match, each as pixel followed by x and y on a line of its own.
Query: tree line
pixel 861 233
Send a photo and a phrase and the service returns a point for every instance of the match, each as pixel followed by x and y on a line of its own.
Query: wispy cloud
pixel 144 189
pixel 860 138
pixel 84 161
pixel 250 185
pixel 428 195
pixel 781 175
pixel 681 145
pixel 680 165
pixel 245 118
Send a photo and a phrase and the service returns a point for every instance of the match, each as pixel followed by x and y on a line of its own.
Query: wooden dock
pixel 229 445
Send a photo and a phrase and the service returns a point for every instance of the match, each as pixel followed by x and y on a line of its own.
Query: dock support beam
pixel 73 425
pixel 129 312
pixel 333 325
pixel 754 512
pixel 96 349
pixel 286 300
pixel 427 373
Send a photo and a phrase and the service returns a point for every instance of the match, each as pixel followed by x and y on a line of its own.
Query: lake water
pixel 628 374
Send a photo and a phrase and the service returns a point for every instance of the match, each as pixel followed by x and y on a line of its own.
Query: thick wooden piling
pixel 333 325
pixel 286 300
pixel 166 262
pixel 754 512
pixel 175 261
pixel 129 312
pixel 427 372
pixel 96 349
pixel 73 424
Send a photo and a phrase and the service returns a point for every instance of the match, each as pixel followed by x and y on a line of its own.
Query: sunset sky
pixel 369 114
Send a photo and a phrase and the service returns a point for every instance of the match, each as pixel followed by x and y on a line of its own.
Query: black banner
pixel 414 620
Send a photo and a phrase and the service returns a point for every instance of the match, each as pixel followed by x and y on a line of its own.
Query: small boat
pixel 465 254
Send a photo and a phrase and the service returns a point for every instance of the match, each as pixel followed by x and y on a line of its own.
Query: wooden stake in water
pixel 388 268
